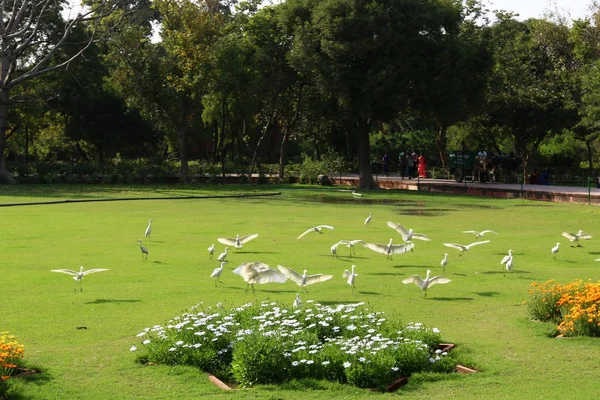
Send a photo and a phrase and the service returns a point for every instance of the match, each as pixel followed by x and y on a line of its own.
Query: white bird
pixel 462 248
pixel 444 262
pixel 505 259
pixel 407 234
pixel 350 277
pixel 480 234
pixel 258 273
pixel 555 249
pixel 238 241
pixel 368 220
pixel 576 237
pixel 426 283
pixel 148 229
pixel 304 279
pixel 350 244
pixel 78 276
pixel 297 301
pixel 223 255
pixel 390 249
pixel 318 229
pixel 334 249
pixel 211 251
pixel 143 250
pixel 217 272
pixel 509 263
pixel 357 194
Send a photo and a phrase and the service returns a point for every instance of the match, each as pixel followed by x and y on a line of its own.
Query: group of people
pixel 409 164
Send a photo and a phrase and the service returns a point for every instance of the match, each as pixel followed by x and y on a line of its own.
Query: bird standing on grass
pixel 426 283
pixel 368 220
pixel 509 263
pixel 505 259
pixel 297 301
pixel 217 273
pixel 211 251
pixel 555 250
pixel 78 276
pixel 318 229
pixel 238 242
pixel 148 229
pixel 304 279
pixel 223 255
pixel 444 262
pixel 143 250
pixel 350 277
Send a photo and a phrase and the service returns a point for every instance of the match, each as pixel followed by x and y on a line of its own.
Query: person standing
pixel 422 166
pixel 386 164
pixel 402 164
pixel 410 164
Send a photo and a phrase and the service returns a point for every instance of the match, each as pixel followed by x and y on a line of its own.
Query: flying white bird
pixel 78 276
pixel 223 255
pixel 426 283
pixel 390 249
pixel 258 273
pixel 357 194
pixel 444 262
pixel 143 250
pixel 304 279
pixel 350 277
pixel 407 234
pixel 349 243
pixel 368 220
pixel 217 272
pixel 148 229
pixel 505 259
pixel 211 251
pixel 318 229
pixel 297 301
pixel 576 237
pixel 462 248
pixel 555 249
pixel 480 234
pixel 238 241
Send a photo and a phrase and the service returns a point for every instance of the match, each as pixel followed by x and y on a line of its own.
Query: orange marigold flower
pixel 5 377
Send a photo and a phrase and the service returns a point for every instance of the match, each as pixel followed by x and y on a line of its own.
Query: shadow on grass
pixel 40 378
pixel 449 298
pixel 514 271
pixel 302 385
pixel 103 301
pixel 457 274
pixel 371 293
pixel 336 302
pixel 385 274
pixel 487 294
pixel 278 291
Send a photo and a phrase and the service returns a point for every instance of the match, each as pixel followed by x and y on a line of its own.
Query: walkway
pixel 568 194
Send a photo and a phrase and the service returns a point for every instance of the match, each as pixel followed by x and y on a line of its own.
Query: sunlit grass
pixel 481 310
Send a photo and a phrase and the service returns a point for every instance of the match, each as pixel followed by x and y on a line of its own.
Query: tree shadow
pixel 103 301
pixel 155 241
pixel 385 274
pixel 371 293
pixel 457 274
pixel 158 262
pixel 256 252
pixel 449 298
pixel 514 271
pixel 39 378
pixel 487 294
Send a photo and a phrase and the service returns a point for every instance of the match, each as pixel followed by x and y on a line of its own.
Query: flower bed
pixel 11 353
pixel 574 306
pixel 266 343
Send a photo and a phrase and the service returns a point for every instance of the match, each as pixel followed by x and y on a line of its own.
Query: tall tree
pixel 32 32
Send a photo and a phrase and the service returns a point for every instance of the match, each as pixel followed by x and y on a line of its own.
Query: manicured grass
pixel 481 310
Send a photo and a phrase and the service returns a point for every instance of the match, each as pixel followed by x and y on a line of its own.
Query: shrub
pixel 11 353
pixel 573 306
pixel 266 343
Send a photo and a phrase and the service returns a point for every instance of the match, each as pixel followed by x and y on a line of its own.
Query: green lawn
pixel 481 310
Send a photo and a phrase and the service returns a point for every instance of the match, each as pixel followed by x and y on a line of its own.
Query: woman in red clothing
pixel 422 166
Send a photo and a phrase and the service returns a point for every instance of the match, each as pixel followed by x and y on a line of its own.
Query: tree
pixel 32 34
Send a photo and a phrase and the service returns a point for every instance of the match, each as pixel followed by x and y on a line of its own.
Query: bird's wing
pixel 504 260
pixel 416 279
pixel 379 248
pixel 216 272
pixel 93 271
pixel 398 228
pixel 226 241
pixel 258 266
pixel 346 242
pixel 269 276
pixel 438 279
pixel 401 248
pixel 290 274
pixel 357 241
pixel 243 268
pixel 325 227
pixel 247 238
pixel 474 232
pixel 455 246
pixel 317 278
pixel 487 231
pixel 308 231
pixel 569 236
pixel 585 236
pixel 347 273
pixel 477 243
pixel 421 236
pixel 65 271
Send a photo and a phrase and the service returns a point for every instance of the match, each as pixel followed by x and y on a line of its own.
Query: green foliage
pixel 310 169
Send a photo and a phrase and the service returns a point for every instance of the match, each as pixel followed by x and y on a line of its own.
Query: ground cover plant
pixel 81 341
pixel 269 343
pixel 11 353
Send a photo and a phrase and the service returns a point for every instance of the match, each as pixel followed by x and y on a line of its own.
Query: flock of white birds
pixel 260 273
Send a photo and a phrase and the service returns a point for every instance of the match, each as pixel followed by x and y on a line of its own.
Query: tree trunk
pixel 184 172
pixel 282 154
pixel 442 143
pixel 5 175
pixel 588 144
pixel 364 156
pixel 264 133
